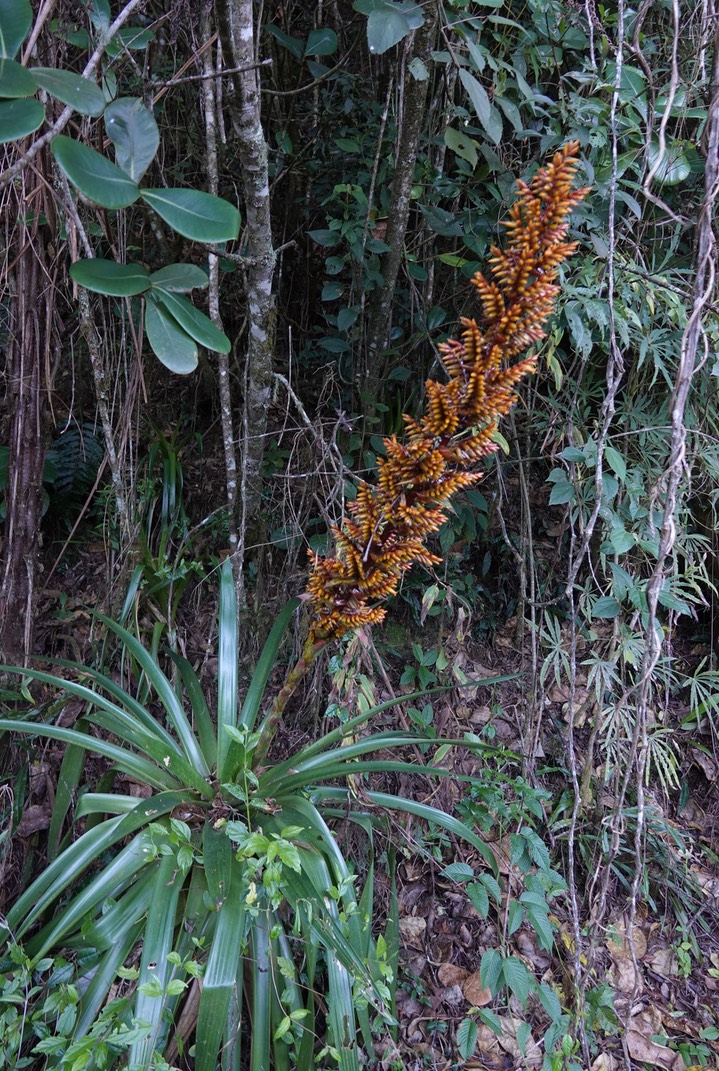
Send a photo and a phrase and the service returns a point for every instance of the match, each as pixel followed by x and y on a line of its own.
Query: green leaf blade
pixel 80 93
pixel 18 118
pixel 170 344
pixel 133 131
pixel 193 322
pixel 15 22
pixel 15 80
pixel 110 278
pixel 93 175
pixel 180 278
pixel 195 215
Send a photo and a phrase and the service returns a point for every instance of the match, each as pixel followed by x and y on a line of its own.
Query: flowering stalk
pixel 389 521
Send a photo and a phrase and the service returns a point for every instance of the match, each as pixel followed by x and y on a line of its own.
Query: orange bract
pixel 389 521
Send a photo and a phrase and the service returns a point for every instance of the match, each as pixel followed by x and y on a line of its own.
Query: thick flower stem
pixel 294 679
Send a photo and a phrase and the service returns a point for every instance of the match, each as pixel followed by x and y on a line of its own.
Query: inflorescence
pixel 388 523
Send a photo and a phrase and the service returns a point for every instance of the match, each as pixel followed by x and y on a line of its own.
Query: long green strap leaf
pixel 165 692
pixel 253 699
pixel 420 810
pixel 132 858
pixel 137 767
pixel 203 721
pixel 74 860
pixel 223 964
pixel 227 669
pixel 155 969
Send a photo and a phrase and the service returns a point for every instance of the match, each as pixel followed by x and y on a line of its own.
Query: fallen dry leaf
pixel 643 1049
pixel 604 1062
pixel 705 762
pixel 530 1055
pixel 475 992
pixel 663 961
pixel 618 944
pixel 450 974
pixel 413 929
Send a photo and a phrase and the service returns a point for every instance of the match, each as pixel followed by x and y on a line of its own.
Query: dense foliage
pixel 237 240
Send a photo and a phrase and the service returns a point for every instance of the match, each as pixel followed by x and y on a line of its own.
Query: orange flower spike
pixel 389 522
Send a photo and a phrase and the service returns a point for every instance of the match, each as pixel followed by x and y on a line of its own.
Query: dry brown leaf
pixel 643 1049
pixel 34 818
pixel 618 944
pixel 663 961
pixel 532 1054
pixel 413 929
pixel 705 763
pixel 604 1062
pixel 450 974
pixel 475 992
pixel 487 1041
pixel 640 1046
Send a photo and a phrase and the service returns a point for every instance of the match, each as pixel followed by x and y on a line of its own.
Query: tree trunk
pixel 412 116
pixel 31 311
pixel 238 36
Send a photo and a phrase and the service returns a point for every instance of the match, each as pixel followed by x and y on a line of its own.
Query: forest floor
pixel 651 1001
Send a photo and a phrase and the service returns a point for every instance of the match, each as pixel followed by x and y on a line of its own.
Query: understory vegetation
pixel 359 490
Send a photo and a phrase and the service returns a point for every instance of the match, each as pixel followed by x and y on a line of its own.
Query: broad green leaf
pixel 490 970
pixel 80 93
pixel 606 607
pixel 180 278
pixel 441 221
pixel 616 462
pixel 461 145
pixel 539 921
pixel 458 872
pixel 490 883
pixel 94 175
pixel 195 215
pixel 170 344
pixel 467 1038
pixel 134 38
pixel 19 118
pixel 477 95
pixel 133 131
pixel 192 321
pixel 110 278
pixel 515 917
pixel 325 237
pixel 517 978
pixel 389 23
pixel 15 81
pixel 321 42
pixel 549 1001
pixel 293 44
pixel 15 22
pixel 479 896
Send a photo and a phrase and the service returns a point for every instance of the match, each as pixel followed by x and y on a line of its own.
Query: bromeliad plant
pixel 224 871
pixel 229 869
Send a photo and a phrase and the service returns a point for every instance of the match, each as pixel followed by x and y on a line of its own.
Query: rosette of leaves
pixel 174 327
pixel 228 869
